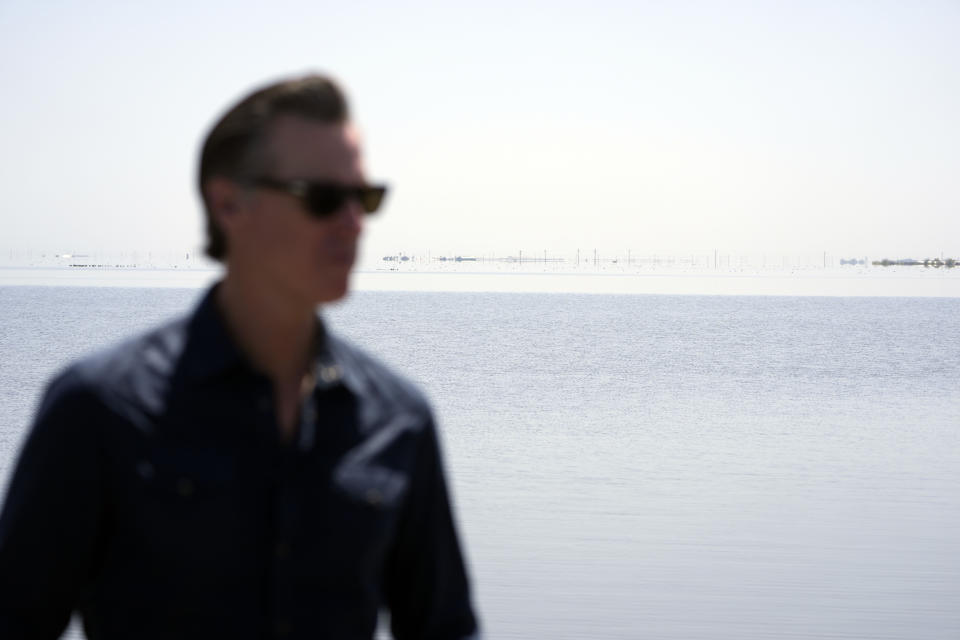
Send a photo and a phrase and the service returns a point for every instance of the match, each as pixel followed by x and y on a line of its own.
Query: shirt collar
pixel 210 351
pixel 332 364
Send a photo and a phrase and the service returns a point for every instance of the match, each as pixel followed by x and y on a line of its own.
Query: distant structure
pixel 632 260
pixel 948 263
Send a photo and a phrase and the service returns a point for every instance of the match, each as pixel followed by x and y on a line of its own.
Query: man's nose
pixel 352 215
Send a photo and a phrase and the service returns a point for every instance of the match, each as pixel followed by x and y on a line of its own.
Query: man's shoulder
pixel 132 373
pixel 152 352
pixel 369 376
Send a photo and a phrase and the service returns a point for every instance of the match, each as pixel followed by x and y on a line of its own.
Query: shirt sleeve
pixel 426 583
pixel 50 519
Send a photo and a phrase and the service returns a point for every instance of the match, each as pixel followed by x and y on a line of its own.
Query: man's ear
pixel 223 198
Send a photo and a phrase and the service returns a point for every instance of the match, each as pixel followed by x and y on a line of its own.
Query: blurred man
pixel 242 473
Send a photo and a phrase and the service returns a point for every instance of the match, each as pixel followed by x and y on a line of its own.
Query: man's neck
pixel 274 330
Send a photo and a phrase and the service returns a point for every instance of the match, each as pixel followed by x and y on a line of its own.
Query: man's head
pixel 294 130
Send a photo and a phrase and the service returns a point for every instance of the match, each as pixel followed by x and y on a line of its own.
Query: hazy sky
pixel 650 126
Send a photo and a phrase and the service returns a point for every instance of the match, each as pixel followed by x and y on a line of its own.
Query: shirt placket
pixel 285 513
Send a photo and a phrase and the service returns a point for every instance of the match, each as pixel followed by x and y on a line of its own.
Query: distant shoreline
pixel 842 281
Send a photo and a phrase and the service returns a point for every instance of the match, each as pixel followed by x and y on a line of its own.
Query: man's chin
pixel 333 291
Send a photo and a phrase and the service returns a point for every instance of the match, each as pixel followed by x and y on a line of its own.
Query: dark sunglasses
pixel 324 199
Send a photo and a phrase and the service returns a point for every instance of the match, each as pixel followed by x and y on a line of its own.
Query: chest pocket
pixel 186 475
pixel 365 503
pixel 370 486
pixel 187 518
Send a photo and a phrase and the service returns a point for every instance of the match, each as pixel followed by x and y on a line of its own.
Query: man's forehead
pixel 299 144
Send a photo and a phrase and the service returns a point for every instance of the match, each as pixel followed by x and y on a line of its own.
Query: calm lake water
pixel 644 466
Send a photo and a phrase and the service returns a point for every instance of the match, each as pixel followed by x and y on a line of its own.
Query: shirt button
pixel 283 628
pixel 374 497
pixel 282 550
pixel 263 404
pixel 330 374
pixel 185 487
pixel 145 469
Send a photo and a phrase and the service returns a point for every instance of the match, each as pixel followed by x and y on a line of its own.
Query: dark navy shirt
pixel 155 496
